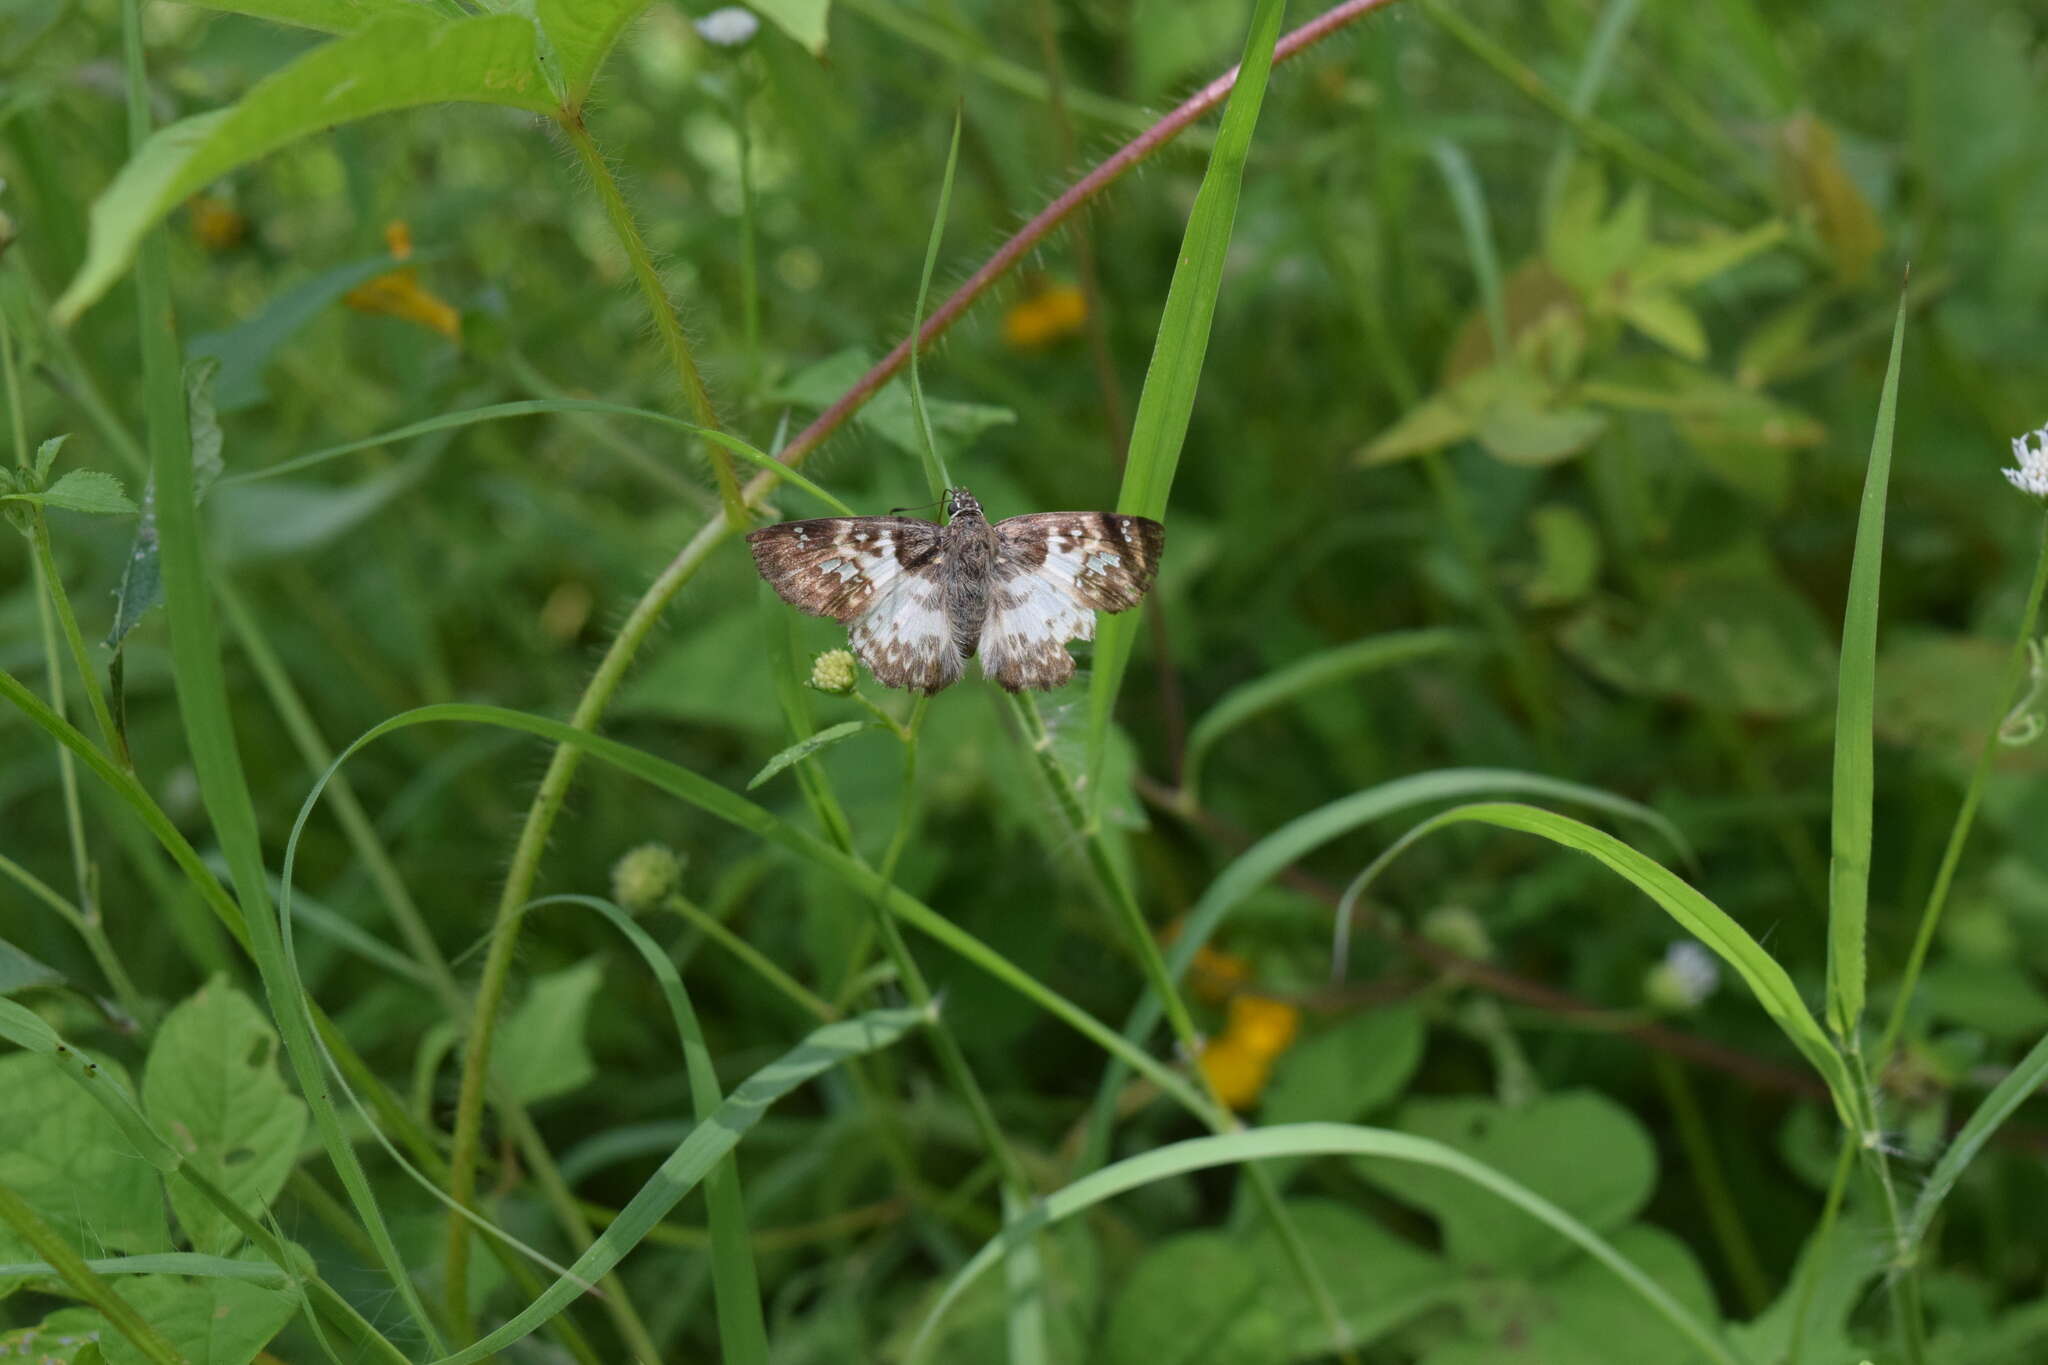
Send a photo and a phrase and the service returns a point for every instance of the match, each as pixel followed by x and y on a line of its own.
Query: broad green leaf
pixel 541 1052
pixel 803 20
pixel 1567 556
pixel 1855 763
pixel 1320 1139
pixel 1167 402
pixel 1840 1267
pixel 213 1083
pixel 1521 433
pixel 87 490
pixel 1346 1072
pixel 399 60
pixel 1579 1150
pixel 1323 669
pixel 46 457
pixel 809 745
pixel 20 972
pixel 212 1321
pixel 57 1340
pixel 1433 424
pixel 581 34
pixel 889 414
pixel 1575 1315
pixel 72 1163
pixel 1664 318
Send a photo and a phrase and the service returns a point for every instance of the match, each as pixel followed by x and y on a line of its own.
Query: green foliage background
pixel 1548 345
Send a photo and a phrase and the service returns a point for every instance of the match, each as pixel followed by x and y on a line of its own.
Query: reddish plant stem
pixel 1058 211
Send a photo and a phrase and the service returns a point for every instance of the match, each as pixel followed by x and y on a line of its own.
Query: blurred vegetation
pixel 1531 437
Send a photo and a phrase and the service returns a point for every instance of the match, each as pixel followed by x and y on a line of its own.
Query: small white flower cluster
pixel 2031 450
pixel 1684 979
pixel 731 26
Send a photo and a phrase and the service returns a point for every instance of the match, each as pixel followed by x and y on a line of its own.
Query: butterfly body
pixel 920 600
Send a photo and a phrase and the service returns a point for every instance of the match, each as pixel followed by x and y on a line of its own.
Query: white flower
pixel 730 26
pixel 2031 450
pixel 1684 979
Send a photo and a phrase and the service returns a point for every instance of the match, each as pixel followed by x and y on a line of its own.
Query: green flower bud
pixel 834 673
pixel 643 878
pixel 1458 929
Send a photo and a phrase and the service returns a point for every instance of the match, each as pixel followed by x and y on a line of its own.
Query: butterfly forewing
pixel 1053 572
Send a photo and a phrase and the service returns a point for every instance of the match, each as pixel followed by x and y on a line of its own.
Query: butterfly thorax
pixel 970 560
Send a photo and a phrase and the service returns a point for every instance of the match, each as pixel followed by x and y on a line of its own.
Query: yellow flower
pixel 1216 975
pixel 216 223
pixel 1263 1023
pixel 399 293
pixel 1236 1072
pixel 1238 1064
pixel 1039 319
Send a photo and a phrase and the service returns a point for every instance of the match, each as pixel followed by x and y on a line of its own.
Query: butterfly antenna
pixel 920 507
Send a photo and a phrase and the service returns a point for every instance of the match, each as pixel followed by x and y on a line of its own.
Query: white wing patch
pixel 1030 620
pixel 903 636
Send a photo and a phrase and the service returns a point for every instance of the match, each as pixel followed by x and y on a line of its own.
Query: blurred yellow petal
pixel 398 239
pixel 216 223
pixel 1216 976
pixel 399 294
pixel 1236 1073
pixel 1262 1024
pixel 1040 319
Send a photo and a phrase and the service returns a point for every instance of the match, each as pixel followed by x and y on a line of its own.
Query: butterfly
pixel 920 599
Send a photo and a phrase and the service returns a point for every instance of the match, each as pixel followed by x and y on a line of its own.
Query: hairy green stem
pixel 666 324
pixel 1966 814
pixel 81 659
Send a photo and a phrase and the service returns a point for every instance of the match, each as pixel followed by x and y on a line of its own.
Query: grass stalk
pixel 49 1246
pixel 1738 1249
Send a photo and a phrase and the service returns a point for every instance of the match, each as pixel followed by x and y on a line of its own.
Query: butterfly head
pixel 961 503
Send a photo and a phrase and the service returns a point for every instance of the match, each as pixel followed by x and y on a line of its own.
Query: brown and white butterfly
pixel 920 599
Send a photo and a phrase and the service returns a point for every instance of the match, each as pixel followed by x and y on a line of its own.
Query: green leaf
pixel 1167 401
pixel 212 1321
pixel 213 1083
pixel 890 414
pixel 86 490
pixel 72 1163
pixel 1840 1266
pixel 46 457
pixel 1579 1150
pixel 1433 424
pixel 1855 776
pixel 2018 1086
pixel 805 747
pixel 1322 669
pixel 397 61
pixel 803 20
pixel 1346 1072
pixel 19 972
pixel 1308 1140
pixel 1567 556
pixel 142 587
pixel 57 1340
pixel 582 34
pixel 541 1051
pixel 1662 316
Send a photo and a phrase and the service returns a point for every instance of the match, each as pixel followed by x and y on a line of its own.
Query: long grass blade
pixel 1855 776
pixel 1317 1139
pixel 937 480
pixel 2019 1085
pixel 1167 401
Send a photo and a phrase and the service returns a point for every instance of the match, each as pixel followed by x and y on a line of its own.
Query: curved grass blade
pixel 1329 666
pixel 810 744
pixel 735 1284
pixel 1301 836
pixel 935 475
pixel 1768 982
pixel 709 1142
pixel 1168 398
pixel 2019 1085
pixel 736 810
pixel 1855 775
pixel 530 407
pixel 161 1263
pixel 1306 1140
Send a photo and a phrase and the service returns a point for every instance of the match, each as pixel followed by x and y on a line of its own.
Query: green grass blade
pixel 1301 836
pixel 1470 202
pixel 1855 776
pixel 2019 1085
pixel 708 1143
pixel 1262 694
pixel 536 406
pixel 1168 399
pixel 1768 982
pixel 162 1263
pixel 811 744
pixel 936 478
pixel 203 694
pixel 736 810
pixel 736 1285
pixel 1306 1140
pixel 83 1281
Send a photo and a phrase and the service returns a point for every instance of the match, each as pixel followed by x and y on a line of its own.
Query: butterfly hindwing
pixel 1053 572
pixel 881 575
